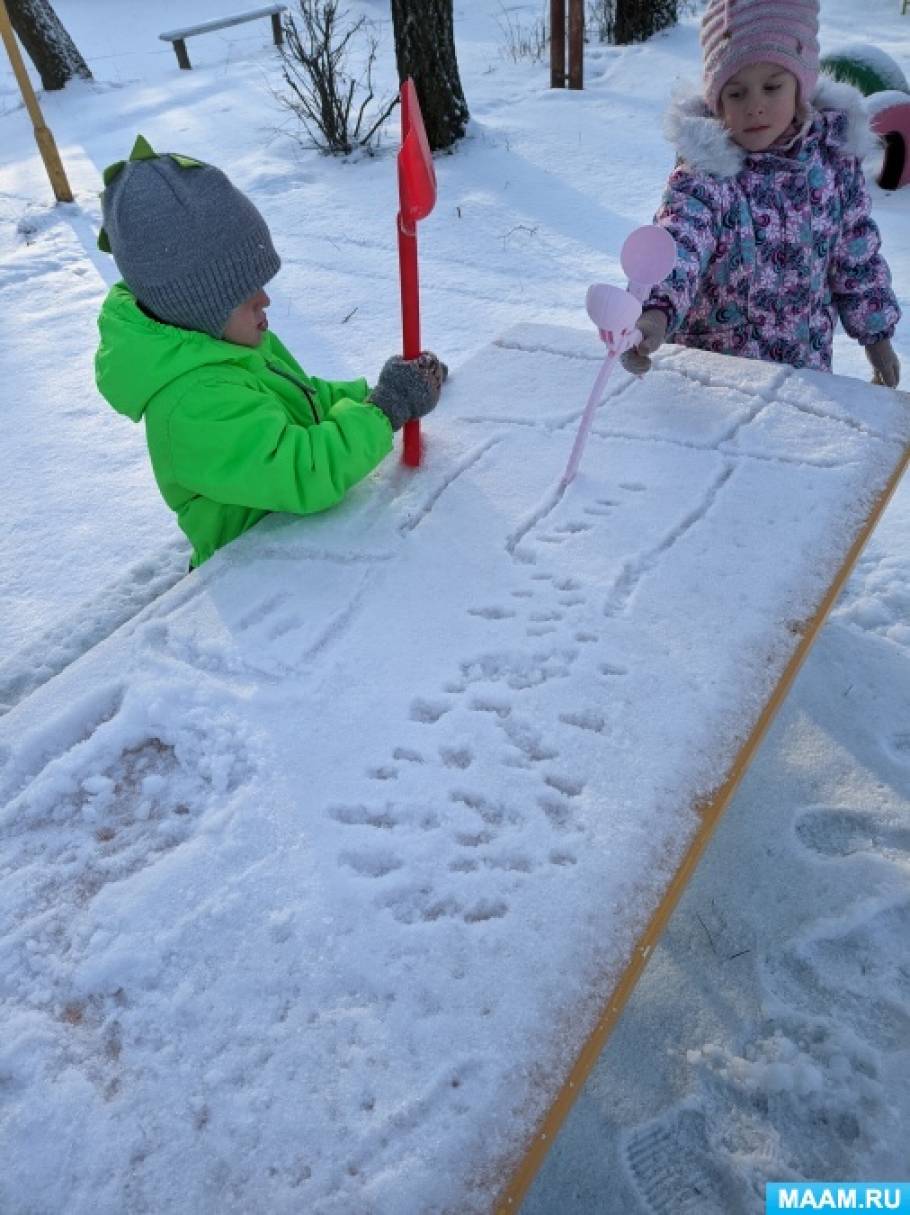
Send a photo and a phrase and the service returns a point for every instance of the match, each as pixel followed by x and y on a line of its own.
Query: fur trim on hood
pixel 702 142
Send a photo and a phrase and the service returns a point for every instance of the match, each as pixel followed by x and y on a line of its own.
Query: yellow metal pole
pixel 43 136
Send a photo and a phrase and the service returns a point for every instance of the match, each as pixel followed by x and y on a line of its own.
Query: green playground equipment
pixel 865 67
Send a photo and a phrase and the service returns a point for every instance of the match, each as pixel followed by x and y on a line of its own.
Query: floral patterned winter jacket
pixel 774 246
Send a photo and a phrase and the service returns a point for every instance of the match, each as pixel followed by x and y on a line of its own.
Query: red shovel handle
pixel 410 327
pixel 417 196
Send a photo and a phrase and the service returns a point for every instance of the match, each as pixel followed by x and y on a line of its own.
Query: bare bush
pixel 523 42
pixel 333 106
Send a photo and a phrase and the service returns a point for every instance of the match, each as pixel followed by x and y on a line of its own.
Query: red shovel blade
pixel 416 175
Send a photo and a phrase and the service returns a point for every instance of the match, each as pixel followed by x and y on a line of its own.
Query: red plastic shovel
pixel 416 199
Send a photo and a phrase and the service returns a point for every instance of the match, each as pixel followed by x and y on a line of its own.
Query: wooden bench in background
pixel 178 37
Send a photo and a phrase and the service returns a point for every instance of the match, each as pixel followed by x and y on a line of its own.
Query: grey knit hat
pixel 189 245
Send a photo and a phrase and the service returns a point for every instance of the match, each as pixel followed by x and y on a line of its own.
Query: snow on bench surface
pixel 320 871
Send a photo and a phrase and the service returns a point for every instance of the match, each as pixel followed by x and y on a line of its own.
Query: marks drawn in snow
pixel 479 834
pixel 457 470
pixel 133 792
pixel 252 634
pixel 636 569
pixel 481 844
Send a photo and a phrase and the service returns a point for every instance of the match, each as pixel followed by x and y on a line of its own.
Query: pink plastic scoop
pixel 647 257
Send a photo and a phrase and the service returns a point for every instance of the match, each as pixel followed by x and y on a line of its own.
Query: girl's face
pixel 758 104
pixel 248 322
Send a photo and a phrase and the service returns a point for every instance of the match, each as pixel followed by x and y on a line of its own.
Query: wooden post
pixel 277 33
pixel 575 78
pixel 576 44
pixel 183 59
pixel 557 44
pixel 43 137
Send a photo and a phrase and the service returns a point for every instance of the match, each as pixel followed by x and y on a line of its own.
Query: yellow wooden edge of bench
pixel 713 807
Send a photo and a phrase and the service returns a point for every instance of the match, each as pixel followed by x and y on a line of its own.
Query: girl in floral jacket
pixel 768 204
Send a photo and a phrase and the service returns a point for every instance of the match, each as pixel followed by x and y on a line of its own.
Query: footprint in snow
pixel 371 862
pixel 801 1093
pixel 848 973
pixel 566 785
pixel 586 719
pixel 612 668
pixel 421 904
pixel 428 711
pixel 675 1171
pixel 385 772
pixel 838 831
pixel 407 755
pixel 572 527
pixel 456 757
pixel 899 747
pixel 492 613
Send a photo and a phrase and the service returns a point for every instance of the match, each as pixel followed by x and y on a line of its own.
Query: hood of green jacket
pixel 138 356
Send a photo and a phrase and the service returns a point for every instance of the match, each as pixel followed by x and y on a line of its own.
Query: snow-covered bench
pixel 179 37
pixel 331 871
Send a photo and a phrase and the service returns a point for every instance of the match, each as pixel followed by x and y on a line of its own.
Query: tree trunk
pixel 636 20
pixel 46 42
pixel 425 50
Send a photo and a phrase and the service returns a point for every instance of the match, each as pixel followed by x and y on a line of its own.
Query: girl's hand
pixel 653 327
pixel 885 364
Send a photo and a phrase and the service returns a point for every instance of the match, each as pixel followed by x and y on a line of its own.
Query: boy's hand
pixel 885 363
pixel 433 370
pixel 408 388
pixel 653 326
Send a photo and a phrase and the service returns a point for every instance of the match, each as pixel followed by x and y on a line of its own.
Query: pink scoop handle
pixel 647 257
pixel 587 418
pixel 616 345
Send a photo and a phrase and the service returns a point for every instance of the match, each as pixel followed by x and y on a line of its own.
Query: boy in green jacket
pixel 235 427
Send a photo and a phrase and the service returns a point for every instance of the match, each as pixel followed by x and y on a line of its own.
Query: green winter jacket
pixel 233 432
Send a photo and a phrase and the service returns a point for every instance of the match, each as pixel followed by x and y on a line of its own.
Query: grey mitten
pixel 885 363
pixel 407 389
pixel 653 327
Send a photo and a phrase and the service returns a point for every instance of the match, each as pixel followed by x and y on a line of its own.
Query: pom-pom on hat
pixel 189 245
pixel 739 33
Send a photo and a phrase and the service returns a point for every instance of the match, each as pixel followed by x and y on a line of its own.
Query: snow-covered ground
pixel 769 1035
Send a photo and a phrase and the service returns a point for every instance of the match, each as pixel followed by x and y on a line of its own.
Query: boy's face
pixel 248 322
pixel 758 104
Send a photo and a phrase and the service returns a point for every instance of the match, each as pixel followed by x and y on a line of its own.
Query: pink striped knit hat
pixel 737 33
